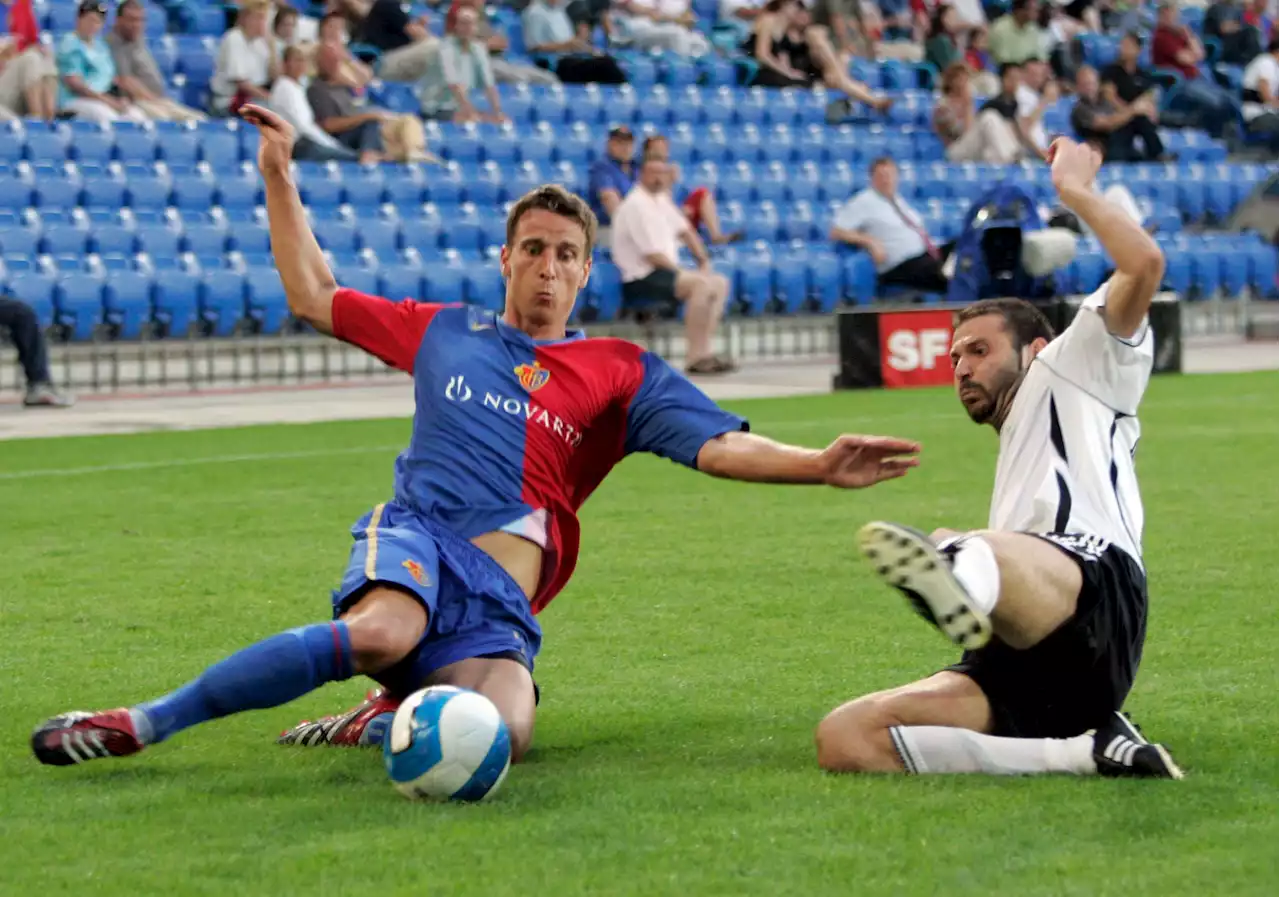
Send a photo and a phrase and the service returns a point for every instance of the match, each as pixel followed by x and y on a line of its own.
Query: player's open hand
pixel 276 147
pixel 854 462
pixel 1074 165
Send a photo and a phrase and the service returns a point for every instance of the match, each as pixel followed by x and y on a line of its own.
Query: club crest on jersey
pixel 532 376
pixel 417 572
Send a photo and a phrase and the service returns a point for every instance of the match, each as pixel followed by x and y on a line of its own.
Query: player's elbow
pixel 1147 267
pixel 312 303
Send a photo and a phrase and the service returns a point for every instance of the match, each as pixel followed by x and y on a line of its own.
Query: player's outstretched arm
pixel 851 462
pixel 309 285
pixel 1139 261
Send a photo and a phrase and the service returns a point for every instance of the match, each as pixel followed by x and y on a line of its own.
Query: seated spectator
pixel 1037 94
pixel 988 136
pixel 1261 86
pixel 333 31
pixel 1097 118
pixel 246 62
pixel 1224 22
pixel 1174 45
pixel 941 48
pixel 841 26
pixel 1059 31
pixel 1086 13
pixel 291 27
pixel 698 204
pixel 375 134
pixel 647 232
pixel 289 99
pixel 504 70
pixel 1016 37
pixel 611 178
pixel 879 220
pixel 137 75
pixel 588 15
pixel 408 48
pixel 977 55
pixel 1129 90
pixel 457 70
pixel 659 25
pixel 20 320
pixel 549 33
pixel 896 20
pixel 28 77
pixel 1261 14
pixel 87 74
pixel 790 55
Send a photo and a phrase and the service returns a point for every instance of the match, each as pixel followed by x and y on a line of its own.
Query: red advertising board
pixel 915 348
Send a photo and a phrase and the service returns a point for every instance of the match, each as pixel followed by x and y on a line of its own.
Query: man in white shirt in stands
pixel 289 98
pixel 740 16
pixel 879 220
pixel 1261 86
pixel 647 232
pixel 660 25
pixel 246 60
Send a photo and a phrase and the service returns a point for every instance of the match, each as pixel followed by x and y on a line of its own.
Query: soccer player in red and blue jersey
pixel 517 421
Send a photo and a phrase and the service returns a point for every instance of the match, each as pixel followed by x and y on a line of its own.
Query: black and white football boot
pixel 1121 751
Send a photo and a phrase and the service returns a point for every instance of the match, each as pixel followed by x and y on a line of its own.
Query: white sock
pixel 942 749
pixel 973 562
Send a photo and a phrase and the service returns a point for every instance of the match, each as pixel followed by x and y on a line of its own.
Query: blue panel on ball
pixel 490 768
pixel 424 750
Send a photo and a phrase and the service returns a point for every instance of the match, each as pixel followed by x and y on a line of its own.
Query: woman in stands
pixel 790 55
pixel 941 48
pixel 983 136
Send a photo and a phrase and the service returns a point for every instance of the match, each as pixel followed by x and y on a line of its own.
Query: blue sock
pixel 274 671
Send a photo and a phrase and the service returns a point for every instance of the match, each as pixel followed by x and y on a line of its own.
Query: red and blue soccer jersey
pixel 507 427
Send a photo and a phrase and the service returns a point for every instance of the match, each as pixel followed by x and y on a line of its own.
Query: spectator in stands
pixel 24 331
pixel 1129 90
pixel 88 87
pixel 1037 94
pixel 291 27
pixel 28 76
pixel 1005 104
pixel 838 27
pixel 247 61
pixel 647 232
pixel 408 48
pixel 968 136
pixel 896 20
pixel 792 54
pixel 1174 45
pixel 1224 21
pixel 610 179
pixel 457 70
pixel 504 70
pixel 333 32
pixel 588 15
pixel 941 48
pixel 1016 37
pixel 1261 86
pixel 1084 12
pixel 1113 124
pixel 549 33
pixel 375 134
pixel 137 75
pixel 659 25
pixel 289 98
pixel 879 220
pixel 1261 14
pixel 977 56
pixel 699 203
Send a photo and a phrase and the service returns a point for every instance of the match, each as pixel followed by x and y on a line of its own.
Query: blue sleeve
pixel 672 418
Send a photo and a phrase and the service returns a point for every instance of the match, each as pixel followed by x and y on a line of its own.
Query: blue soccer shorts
pixel 474 607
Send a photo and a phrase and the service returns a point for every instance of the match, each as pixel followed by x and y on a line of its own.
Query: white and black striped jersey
pixel 1067 446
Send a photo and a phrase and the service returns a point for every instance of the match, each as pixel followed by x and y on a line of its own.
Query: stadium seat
pixel 267 306
pixel 176 302
pixel 482 285
pixel 398 282
pixel 127 303
pixel 222 301
pixel 78 304
pixel 382 238
pixel 604 291
pixel 36 290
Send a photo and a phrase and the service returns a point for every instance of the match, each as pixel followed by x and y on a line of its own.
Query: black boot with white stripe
pixel 79 736
pixel 1121 751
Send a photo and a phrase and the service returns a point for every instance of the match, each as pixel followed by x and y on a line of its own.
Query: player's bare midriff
pixel 521 558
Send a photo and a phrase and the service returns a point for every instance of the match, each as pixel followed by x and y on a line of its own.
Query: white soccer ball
pixel 447 743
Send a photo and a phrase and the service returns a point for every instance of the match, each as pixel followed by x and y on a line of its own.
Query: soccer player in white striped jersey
pixel 1049 602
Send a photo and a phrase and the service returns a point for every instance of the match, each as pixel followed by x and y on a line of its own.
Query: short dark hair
pixel 1024 322
pixel 881 160
pixel 557 200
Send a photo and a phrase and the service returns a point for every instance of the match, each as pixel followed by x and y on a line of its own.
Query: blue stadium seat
pixel 193 193
pixel 482 285
pixel 117 239
pixel 321 194
pixel 36 289
pixel 49 146
pixel 484 186
pixel 826 290
pixel 336 236
pixel 604 291
pixel 64 239
pixel 220 148
pixel 57 193
pixel 206 241
pixel 398 282
pixel 859 277
pixel 462 231
pixel 148 192
pixel 176 301
pixel 19 241
pixel 238 193
pixel 127 303
pixel 136 146
pixel 382 238
pixel 178 148
pixel 78 305
pixel 14 194
pixel 222 305
pixel 267 305
pixel 364 193
pixel 362 280
pixel 256 240
pixel 93 146
pixel 103 192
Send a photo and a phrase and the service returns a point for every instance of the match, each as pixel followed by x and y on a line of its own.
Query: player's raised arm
pixel 671 417
pixel 1138 260
pixel 309 285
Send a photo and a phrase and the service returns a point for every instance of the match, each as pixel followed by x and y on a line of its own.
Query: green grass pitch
pixel 710 625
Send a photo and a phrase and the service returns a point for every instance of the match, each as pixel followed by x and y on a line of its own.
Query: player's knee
pixel 384 627
pixel 855 738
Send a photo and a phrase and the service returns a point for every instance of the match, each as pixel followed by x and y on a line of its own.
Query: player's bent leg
pixel 507 683
pixel 857 736
pixel 1018 586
